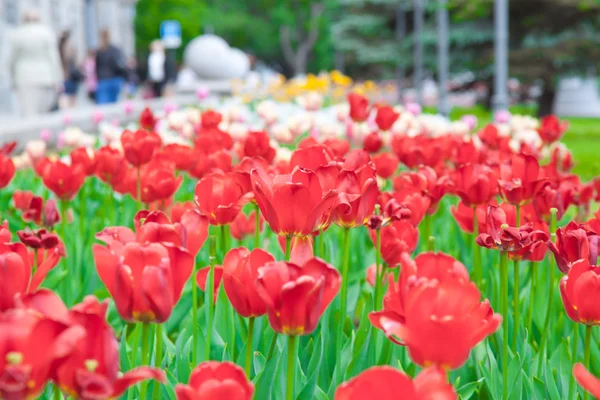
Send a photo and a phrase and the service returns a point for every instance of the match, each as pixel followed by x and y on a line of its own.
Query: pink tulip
pixel 414 108
pixel 45 134
pixel 202 93
pixel 98 116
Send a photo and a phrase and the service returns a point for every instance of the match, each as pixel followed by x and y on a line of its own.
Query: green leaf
pixel 467 390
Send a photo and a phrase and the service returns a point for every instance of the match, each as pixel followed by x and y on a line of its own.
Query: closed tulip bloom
pixel 181 155
pixel 202 280
pixel 311 157
pixel 91 370
pixel 16 275
pixel 475 184
pixel 240 269
pixel 464 217
pixel 552 129
pixel 293 205
pixel 574 242
pixel 359 107
pixel 426 180
pixel 432 266
pixel 139 146
pixel 520 181
pixel 296 296
pixel 159 182
pixel 29 345
pixel 386 164
pixel 147 119
pixel 397 238
pixel 85 158
pixel 213 380
pixel 373 142
pixel 443 321
pixel 586 380
pixel 110 164
pixel 387 383
pixel 245 225
pixel 7 170
pixel 385 118
pixel 145 280
pixel 220 197
pixel 63 180
pixel 258 144
pixel 579 290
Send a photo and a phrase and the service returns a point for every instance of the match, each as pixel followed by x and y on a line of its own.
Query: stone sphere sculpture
pixel 211 58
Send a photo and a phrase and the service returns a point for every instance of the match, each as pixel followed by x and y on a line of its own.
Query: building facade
pixel 83 18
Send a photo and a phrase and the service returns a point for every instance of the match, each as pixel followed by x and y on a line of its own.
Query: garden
pixel 325 245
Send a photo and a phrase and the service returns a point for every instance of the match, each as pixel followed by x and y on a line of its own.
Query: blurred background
pixel 451 56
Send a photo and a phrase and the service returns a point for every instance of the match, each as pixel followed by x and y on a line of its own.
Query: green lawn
pixel 582 138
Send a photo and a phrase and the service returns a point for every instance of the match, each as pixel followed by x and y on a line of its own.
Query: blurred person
pixel 34 64
pixel 73 75
pixel 89 70
pixel 133 77
pixel 161 68
pixel 110 70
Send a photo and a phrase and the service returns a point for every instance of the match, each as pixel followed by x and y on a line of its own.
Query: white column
pixel 500 98
pixel 418 17
pixel 443 64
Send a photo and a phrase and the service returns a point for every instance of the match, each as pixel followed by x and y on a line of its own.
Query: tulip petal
pixel 134 376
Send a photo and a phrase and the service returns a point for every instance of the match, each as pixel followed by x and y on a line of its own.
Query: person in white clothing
pixel 157 68
pixel 34 63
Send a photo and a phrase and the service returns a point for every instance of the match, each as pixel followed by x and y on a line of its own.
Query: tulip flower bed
pixel 382 254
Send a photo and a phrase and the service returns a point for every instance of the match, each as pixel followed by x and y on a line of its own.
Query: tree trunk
pixel 546 100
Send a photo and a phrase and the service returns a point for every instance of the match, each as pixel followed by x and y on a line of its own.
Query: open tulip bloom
pixel 336 247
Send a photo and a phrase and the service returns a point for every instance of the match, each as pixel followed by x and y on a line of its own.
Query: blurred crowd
pixel 47 75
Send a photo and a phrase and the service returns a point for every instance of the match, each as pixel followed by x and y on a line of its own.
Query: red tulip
pixel 7 170
pixel 145 280
pixel 386 164
pixel 240 270
pixel 398 238
pixel 371 275
pixel 258 144
pixel 30 205
pixel 373 142
pixel 296 296
pixel 110 164
pixel 147 119
pixel 190 232
pixel 338 146
pixel 179 154
pixel 561 159
pixel 211 119
pixel 84 158
pixel 213 380
pixel 426 180
pixel 464 217
pixel 574 242
pixel 8 148
pixel 16 272
pixel 387 383
pixel 139 146
pixel 491 137
pixel 432 266
pixel 29 345
pixel 5 234
pixel 220 197
pixel 546 199
pixel 202 280
pixel 552 129
pixel 520 181
pixel 385 118
pixel 443 321
pixel 390 212
pixel 178 209
pixel 578 290
pixel 63 180
pixel 418 150
pixel 475 184
pixel 415 201
pixel 586 380
pixel 244 226
pixel 293 204
pixel 357 190
pixel 518 242
pixel 158 181
pixel 359 107
pixel 91 370
pixel 38 239
pixel 312 157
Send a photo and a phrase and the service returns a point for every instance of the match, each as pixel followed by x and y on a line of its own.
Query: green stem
pixel 291 368
pixel 586 353
pixel 504 295
pixel 575 344
pixel 542 353
pixel 64 205
pixel 211 290
pixel 378 271
pixel 316 240
pixel 272 345
pixel 343 306
pixel 158 357
pixel 533 278
pixel 518 215
pixel 516 305
pixel 426 226
pixel 477 269
pixel 288 248
pixel 56 392
pixel 145 354
pixel 249 347
pixel 82 211
pixel 257 227
pixel 194 318
pixel 431 243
